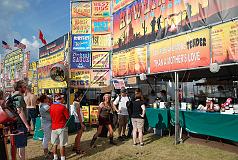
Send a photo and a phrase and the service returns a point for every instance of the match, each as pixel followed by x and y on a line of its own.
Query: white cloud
pixel 8 9
pixel 32 46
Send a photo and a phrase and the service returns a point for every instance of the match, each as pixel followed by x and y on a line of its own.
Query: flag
pixel 5 45
pixel 41 37
pixel 19 44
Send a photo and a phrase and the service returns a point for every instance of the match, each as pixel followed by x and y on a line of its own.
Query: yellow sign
pixel 58 57
pixel 81 25
pixel 80 78
pixel 100 78
pixel 224 42
pixel 85 110
pixel 101 42
pixel 101 8
pixel 81 9
pixel 100 59
pixel 93 114
pixel 49 83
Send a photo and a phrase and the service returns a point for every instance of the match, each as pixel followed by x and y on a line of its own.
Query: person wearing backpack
pixel 122 111
pixel 21 124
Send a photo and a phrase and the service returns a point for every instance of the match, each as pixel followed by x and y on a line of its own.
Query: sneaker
pixel 141 144
pixel 135 144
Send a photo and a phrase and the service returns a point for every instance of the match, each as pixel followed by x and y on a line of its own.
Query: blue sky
pixel 22 19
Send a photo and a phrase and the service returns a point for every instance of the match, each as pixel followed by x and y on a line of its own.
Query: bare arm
pixel 143 110
pixel 23 118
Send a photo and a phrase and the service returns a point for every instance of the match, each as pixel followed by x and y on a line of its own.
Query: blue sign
pixel 80 60
pixel 81 42
pixel 102 26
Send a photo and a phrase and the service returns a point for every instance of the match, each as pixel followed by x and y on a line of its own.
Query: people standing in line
pixel 30 100
pixel 138 114
pixel 121 101
pixel 22 124
pixel 45 123
pixel 59 136
pixel 104 111
pixel 76 111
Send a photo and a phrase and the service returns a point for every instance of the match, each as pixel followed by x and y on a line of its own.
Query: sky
pixel 22 19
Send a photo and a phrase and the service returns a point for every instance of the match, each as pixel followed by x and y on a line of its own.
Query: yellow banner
pixel 49 83
pixel 224 42
pixel 101 42
pixel 100 60
pixel 115 65
pixel 81 9
pixel 81 25
pixel 58 57
pixel 101 8
pixel 100 78
pixel 80 78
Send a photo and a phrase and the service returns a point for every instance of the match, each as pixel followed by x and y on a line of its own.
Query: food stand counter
pixel 208 123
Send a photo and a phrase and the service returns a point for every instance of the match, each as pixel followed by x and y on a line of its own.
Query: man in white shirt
pixel 121 101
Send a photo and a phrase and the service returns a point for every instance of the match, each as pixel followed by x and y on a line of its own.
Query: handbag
pixel 7 115
pixel 7 112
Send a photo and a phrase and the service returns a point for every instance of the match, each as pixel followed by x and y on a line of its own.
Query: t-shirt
pixel 45 114
pixel 122 104
pixel 59 115
pixel 73 111
pixel 137 110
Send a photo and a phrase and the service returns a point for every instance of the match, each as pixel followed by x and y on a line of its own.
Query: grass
pixel 155 149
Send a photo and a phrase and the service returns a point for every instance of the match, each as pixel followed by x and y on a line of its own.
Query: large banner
pixel 81 25
pixel 81 9
pixel 101 25
pixel 49 83
pixel 101 9
pixel 130 62
pixel 100 60
pixel 53 47
pixel 100 78
pixel 118 4
pixel 80 78
pixel 101 42
pixel 183 52
pixel 81 42
pixel 224 40
pixel 80 60
pixel 58 57
pixel 149 20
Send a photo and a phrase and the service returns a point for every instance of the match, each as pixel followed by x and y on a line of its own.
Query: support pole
pixel 177 135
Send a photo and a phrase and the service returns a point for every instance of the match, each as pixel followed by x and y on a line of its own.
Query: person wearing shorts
pixel 59 136
pixel 21 125
pixel 138 114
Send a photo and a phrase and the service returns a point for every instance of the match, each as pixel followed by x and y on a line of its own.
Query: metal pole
pixel 176 109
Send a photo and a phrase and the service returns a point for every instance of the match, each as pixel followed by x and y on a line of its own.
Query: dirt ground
pixel 155 148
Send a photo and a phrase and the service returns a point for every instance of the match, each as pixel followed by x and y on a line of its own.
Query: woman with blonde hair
pixel 104 111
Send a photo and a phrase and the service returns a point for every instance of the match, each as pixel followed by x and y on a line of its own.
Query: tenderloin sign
pixel 58 73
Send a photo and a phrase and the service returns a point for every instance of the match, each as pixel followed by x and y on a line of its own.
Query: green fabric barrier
pixel 38 133
pixel 211 124
pixel 158 118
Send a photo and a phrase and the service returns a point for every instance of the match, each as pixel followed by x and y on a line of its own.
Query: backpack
pixel 129 105
pixel 8 114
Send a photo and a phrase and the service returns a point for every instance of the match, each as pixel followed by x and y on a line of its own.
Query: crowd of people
pixel 130 115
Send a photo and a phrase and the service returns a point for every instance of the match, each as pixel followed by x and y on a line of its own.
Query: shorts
pixel 21 139
pixel 59 137
pixel 104 121
pixel 122 119
pixel 138 123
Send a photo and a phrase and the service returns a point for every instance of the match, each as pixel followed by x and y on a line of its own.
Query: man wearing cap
pixel 121 101
pixel 59 135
